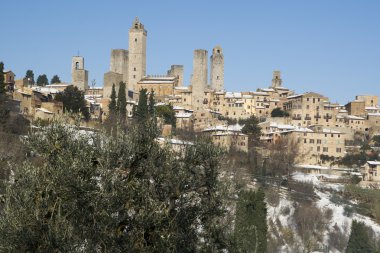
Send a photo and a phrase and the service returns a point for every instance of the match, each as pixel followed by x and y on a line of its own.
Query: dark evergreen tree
pixel 151 108
pixel 73 101
pixel 142 110
pixel 277 112
pixel 359 239
pixel 2 84
pixel 29 76
pixel 251 224
pixel 252 129
pixel 112 104
pixel 121 104
pixel 55 79
pixel 42 80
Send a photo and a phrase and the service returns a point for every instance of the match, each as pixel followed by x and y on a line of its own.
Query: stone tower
pixel 137 54
pixel 79 76
pixel 199 78
pixel 177 71
pixel 276 81
pixel 217 69
pixel 119 63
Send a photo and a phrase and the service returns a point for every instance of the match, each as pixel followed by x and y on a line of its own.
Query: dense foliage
pixel 42 80
pixel 121 104
pixel 277 112
pixel 96 192
pixel 250 224
pixel 112 105
pixel 55 79
pixel 73 101
pixel 359 239
pixel 167 113
pixel 30 76
pixel 2 84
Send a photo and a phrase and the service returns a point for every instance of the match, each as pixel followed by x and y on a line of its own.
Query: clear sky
pixel 327 46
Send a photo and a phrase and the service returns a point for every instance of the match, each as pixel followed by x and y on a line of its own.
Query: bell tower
pixel 137 54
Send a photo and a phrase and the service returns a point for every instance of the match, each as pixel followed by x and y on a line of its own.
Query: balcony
pixel 317 116
pixel 327 117
pixel 307 118
pixel 296 118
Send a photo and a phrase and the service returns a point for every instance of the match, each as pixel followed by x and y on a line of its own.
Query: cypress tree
pixel 251 227
pixel 359 239
pixel 142 111
pixel 121 104
pixel 30 76
pixel 42 80
pixel 55 79
pixel 2 85
pixel 112 104
pixel 151 104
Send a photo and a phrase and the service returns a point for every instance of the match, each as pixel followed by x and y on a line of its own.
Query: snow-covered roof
pixel 373 163
pixel 374 114
pixel 233 95
pixel 354 117
pixel 295 96
pixel 183 115
pixel 44 110
pixel 259 93
pixel 233 128
pixel 267 90
pixel 181 88
pixel 308 166
pixel 177 107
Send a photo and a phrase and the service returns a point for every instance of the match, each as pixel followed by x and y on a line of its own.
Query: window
pixel 318 148
pixel 319 141
pixel 134 76
pixel 325 149
pixel 311 141
pixel 304 141
pixel 134 69
pixel 338 150
pixel 135 39
pixel 77 65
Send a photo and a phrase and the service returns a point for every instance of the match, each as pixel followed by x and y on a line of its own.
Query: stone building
pixel 9 80
pixel 79 76
pixel 371 171
pixel 199 78
pixel 356 108
pixel 217 69
pixel 369 100
pixel 137 54
pixel 163 86
pixel 177 71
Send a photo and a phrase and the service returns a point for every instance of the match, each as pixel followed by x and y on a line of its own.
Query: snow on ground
pixel 338 217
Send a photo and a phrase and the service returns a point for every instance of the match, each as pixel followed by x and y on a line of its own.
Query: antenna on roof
pixel 78 53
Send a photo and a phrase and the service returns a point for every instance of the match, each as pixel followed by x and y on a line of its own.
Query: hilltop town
pixel 325 131
pixel 321 158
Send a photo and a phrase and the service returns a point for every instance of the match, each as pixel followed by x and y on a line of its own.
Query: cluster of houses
pixel 324 131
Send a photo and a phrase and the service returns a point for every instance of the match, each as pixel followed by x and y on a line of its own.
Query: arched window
pixel 77 65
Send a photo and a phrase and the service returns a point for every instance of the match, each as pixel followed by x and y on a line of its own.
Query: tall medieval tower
pixel 199 79
pixel 217 69
pixel 276 81
pixel 79 76
pixel 137 54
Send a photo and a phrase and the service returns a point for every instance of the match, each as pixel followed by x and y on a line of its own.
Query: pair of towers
pixel 129 65
pixel 199 80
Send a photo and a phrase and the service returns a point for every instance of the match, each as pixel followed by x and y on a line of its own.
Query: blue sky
pixel 326 46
